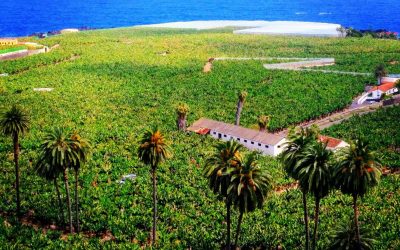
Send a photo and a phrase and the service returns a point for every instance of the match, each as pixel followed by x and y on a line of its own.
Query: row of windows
pixel 244 140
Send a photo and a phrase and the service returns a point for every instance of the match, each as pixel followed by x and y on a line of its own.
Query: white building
pixel 268 144
pixel 387 87
pixel 332 143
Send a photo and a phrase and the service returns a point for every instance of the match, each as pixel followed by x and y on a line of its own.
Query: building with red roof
pixel 332 143
pixel 387 87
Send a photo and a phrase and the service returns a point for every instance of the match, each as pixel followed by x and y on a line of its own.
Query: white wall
pixel 265 149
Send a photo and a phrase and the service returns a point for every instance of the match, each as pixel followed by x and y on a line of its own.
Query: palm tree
pixel 356 171
pixel 380 71
pixel 14 123
pixel 242 98
pixel 345 238
pixel 314 173
pixel 57 151
pixel 249 186
pixel 81 148
pixel 51 173
pixel 298 140
pixel 218 169
pixel 263 122
pixel 152 151
pixel 182 111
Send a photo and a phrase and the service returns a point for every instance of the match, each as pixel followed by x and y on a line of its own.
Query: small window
pixel 238 139
pixel 252 142
pixel 214 133
pixel 259 144
pixel 231 137
pixel 279 146
pixel 266 146
pixel 224 135
pixel 245 140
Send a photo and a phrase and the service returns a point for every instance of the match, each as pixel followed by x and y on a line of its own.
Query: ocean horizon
pixel 19 18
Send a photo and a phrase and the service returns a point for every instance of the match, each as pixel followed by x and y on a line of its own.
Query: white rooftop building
pixel 268 144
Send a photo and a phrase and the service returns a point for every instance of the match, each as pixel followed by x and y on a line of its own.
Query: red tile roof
pixel 385 86
pixel 332 142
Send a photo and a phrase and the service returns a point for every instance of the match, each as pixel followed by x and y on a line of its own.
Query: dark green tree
pixel 315 175
pixel 298 140
pixel 57 151
pixel 15 122
pixel 249 187
pixel 380 71
pixel 346 238
pixel 356 171
pixel 219 169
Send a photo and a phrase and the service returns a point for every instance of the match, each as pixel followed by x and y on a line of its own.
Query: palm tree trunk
pixel 228 224
pixel 356 219
pixel 68 200
pixel 59 202
pixel 77 200
pixel 238 112
pixel 306 221
pixel 16 161
pixel 154 231
pixel 238 229
pixel 316 218
pixel 181 122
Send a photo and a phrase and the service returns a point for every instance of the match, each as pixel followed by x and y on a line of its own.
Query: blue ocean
pixel 23 17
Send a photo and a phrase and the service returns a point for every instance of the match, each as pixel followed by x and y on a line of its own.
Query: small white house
pixel 268 144
pixel 387 87
pixel 333 144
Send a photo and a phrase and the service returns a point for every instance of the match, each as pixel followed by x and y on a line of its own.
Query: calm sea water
pixel 23 17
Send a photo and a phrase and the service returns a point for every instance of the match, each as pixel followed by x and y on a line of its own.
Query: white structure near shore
pixel 293 28
pixel 268 144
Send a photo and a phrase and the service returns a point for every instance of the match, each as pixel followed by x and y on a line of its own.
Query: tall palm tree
pixel 263 122
pixel 241 99
pixel 249 186
pixel 51 173
pixel 14 123
pixel 182 111
pixel 314 173
pixel 380 71
pixel 219 169
pixel 58 152
pixel 81 147
pixel 356 171
pixel 298 140
pixel 153 151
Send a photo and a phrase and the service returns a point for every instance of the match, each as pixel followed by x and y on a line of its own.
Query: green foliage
pixel 380 129
pixel 344 238
pixel 120 85
pixel 356 170
pixel 250 184
pixel 12 49
pixel 152 149
pixel 14 121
